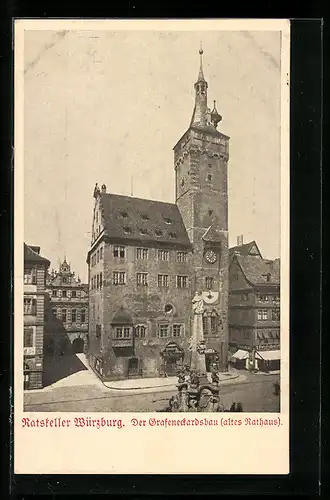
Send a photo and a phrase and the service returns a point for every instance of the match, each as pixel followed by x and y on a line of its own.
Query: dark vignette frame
pixel 306 116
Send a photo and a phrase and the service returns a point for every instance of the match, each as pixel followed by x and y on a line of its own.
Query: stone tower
pixel 200 161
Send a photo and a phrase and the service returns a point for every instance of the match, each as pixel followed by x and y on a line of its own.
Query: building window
pixel 182 281
pixel 262 315
pixel 73 315
pixel 74 294
pixel 263 298
pixel 142 279
pixel 245 296
pixel 127 230
pixel 163 280
pixel 210 212
pixel 97 256
pixel 163 331
pixel 83 316
pixel 64 280
pixel 158 232
pixel 205 325
pixel 172 235
pixel 119 278
pixel 101 253
pixel 97 281
pixel 275 315
pixel 28 336
pixel 30 306
pixel 209 282
pixel 123 332
pixel 140 331
pixel 177 330
pixel 167 220
pixel 181 256
pixel 163 255
pixel 119 251
pixel 143 231
pixel 276 299
pixel 54 293
pixel 30 276
pixel 142 253
pixel 64 315
pixel 209 177
pixel 101 280
pixel 214 325
pixel 64 294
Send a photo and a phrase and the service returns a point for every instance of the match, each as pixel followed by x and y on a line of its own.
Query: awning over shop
pixel 269 355
pixel 240 354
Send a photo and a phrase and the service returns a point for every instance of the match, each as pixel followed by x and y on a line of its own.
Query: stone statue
pixel 198 303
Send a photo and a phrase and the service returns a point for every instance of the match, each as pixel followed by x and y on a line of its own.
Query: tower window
pixel 123 214
pixel 210 212
pixel 119 251
pixel 143 231
pixel 158 232
pixel 163 280
pixel 209 177
pixel 209 283
pixel 142 279
pixel 177 330
pixel 163 331
pixel 140 331
pixel 119 278
pixel 172 235
pixel 182 281
pixel 210 165
pixel 127 230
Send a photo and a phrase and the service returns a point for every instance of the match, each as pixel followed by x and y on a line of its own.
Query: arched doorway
pixel 133 367
pixel 172 359
pixel 211 358
pixel 78 345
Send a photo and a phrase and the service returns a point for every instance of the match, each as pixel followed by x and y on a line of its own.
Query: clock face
pixel 210 256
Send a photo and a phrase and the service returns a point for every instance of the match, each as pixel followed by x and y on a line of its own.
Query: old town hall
pixel 148 258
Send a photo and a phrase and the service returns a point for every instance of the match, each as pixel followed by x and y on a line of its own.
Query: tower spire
pixel 199 117
pixel 201 73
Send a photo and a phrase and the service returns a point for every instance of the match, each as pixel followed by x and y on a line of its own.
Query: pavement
pixel 85 379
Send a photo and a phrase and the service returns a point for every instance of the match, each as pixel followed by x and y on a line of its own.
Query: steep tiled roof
pixel 135 219
pixel 243 249
pixel 30 256
pixel 256 270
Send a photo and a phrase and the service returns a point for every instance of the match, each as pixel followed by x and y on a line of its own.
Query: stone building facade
pixel 35 269
pixel 69 304
pixel 254 308
pixel 148 258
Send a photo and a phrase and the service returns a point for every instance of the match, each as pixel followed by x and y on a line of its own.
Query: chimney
pixel 240 240
pixel 104 188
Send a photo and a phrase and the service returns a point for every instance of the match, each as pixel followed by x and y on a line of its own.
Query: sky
pixel 108 107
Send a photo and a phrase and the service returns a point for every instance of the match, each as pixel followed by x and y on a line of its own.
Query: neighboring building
pixel 35 269
pixel 254 308
pixel 69 303
pixel 148 258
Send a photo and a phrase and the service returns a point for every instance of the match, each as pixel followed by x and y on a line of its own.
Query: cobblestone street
pixel 256 393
